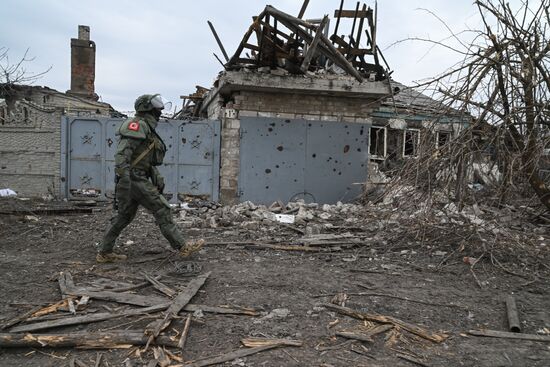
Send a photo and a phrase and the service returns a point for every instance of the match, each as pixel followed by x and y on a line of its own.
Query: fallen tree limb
pixel 92 340
pixel 510 335
pixel 421 332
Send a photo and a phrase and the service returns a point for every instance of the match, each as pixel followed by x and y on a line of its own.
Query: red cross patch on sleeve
pixel 134 126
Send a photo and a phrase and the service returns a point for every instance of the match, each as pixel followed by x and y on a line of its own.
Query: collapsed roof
pixel 303 46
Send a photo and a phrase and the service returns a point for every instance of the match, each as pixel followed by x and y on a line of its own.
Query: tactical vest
pixel 151 150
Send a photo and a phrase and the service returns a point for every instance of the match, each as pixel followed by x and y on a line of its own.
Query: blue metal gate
pixel 318 161
pixel 191 164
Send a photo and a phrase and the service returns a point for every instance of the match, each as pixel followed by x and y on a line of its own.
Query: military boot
pixel 109 257
pixel 190 247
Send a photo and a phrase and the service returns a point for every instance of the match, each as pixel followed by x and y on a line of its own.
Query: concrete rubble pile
pixel 250 215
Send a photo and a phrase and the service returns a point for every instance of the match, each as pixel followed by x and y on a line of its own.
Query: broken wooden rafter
pixel 255 25
pixel 86 339
pixel 293 24
pixel 352 14
pixel 218 40
pixel 303 9
pixel 338 17
pixel 312 48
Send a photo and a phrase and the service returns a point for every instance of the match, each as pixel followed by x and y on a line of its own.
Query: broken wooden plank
pixel 66 283
pixel 182 299
pixel 163 288
pixel 239 353
pixel 125 298
pixel 510 335
pixel 261 342
pixel 85 339
pixel 86 319
pixel 354 336
pixel 414 329
pixel 312 48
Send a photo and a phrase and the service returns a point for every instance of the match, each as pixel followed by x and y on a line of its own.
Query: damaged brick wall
pixel 301 106
pixel 30 140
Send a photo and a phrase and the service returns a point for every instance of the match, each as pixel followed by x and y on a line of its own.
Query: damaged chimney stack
pixel 83 65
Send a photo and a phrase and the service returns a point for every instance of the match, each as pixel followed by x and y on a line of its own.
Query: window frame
pixel 405 140
pixel 376 156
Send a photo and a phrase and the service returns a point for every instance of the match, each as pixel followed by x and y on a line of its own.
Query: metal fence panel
pixel 89 146
pixel 337 158
pixel 318 161
pixel 272 159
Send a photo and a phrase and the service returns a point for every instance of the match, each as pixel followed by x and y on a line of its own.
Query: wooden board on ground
pixel 86 339
pixel 414 329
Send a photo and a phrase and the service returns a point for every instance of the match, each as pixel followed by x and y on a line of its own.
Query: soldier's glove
pixel 160 184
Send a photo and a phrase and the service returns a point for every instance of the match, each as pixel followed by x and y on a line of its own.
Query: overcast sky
pixel 165 46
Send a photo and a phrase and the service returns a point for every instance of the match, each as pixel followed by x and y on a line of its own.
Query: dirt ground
pixel 443 294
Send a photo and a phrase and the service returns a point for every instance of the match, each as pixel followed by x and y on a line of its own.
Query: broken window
pixel 442 138
pixel 377 142
pixel 411 141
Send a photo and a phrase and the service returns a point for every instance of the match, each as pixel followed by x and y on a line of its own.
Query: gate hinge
pixel 241 132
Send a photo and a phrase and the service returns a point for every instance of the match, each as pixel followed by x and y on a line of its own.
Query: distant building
pixel 30 123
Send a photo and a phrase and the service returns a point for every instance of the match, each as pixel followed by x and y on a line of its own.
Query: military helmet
pixel 148 102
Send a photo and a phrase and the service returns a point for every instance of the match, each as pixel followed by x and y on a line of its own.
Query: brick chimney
pixel 83 65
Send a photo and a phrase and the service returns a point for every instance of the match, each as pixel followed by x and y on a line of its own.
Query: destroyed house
pixel 295 109
pixel 407 119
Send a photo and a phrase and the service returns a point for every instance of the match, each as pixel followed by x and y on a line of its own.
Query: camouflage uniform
pixel 140 150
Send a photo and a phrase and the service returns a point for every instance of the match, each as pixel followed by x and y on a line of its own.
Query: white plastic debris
pixel 285 218
pixel 7 192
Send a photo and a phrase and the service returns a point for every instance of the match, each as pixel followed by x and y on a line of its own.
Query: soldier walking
pixel 138 181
